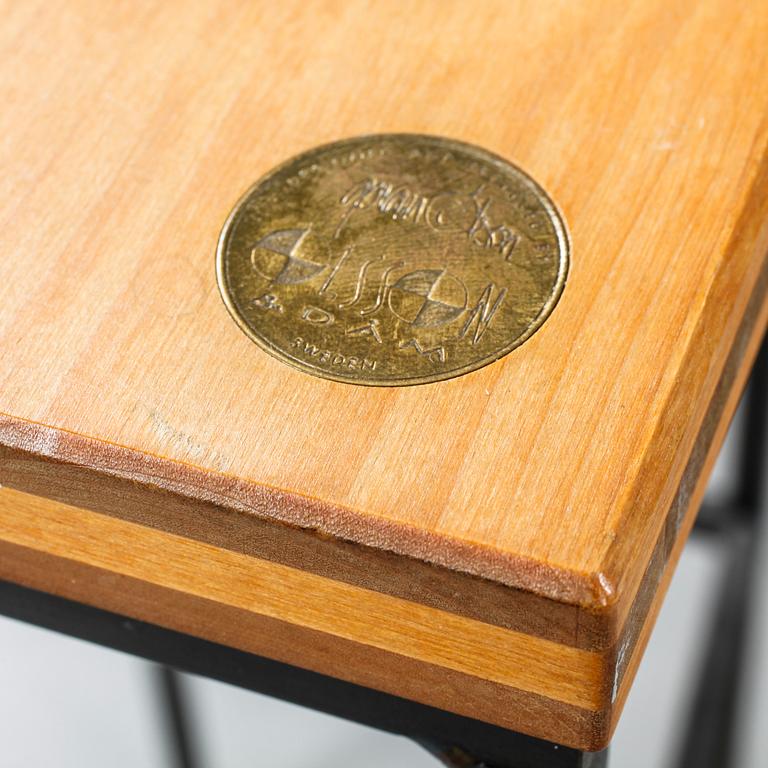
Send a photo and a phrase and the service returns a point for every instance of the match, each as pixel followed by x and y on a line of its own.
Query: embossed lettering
pixel 447 210
pixel 336 267
pixel 435 355
pixel 399 202
pixel 371 328
pixel 359 284
pixel 500 238
pixel 483 311
pixel 383 289
pixel 329 357
pixel 317 316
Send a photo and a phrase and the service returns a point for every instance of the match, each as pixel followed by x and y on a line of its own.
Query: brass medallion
pixel 391 260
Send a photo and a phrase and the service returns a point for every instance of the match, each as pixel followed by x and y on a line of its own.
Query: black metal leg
pixel 171 694
pixel 709 738
pixel 755 441
pixel 456 757
pixel 488 744
pixel 453 757
pixel 708 741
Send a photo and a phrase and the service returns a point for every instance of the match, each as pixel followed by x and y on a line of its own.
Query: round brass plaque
pixel 391 260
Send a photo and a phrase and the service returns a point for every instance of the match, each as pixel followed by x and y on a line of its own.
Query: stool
pixel 476 561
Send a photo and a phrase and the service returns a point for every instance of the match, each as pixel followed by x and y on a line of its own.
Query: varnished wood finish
pixel 429 642
pixel 533 507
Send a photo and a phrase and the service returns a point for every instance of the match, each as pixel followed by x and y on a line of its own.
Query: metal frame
pixel 453 736
pixel 710 736
pixel 455 740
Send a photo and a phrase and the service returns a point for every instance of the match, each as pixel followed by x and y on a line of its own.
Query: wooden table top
pixel 496 544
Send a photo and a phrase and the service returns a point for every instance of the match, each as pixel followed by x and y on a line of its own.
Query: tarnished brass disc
pixel 393 259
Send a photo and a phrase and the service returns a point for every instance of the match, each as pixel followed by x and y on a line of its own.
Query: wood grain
pixel 265 588
pixel 541 496
pixel 150 598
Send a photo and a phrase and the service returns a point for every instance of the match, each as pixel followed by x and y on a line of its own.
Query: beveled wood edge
pixel 733 315
pixel 24 439
pixel 636 618
pixel 640 619
pixel 368 567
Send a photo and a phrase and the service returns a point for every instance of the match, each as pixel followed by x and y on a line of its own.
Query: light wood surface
pixel 543 497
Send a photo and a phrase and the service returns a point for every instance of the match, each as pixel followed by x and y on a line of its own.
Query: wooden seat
pixel 497 544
